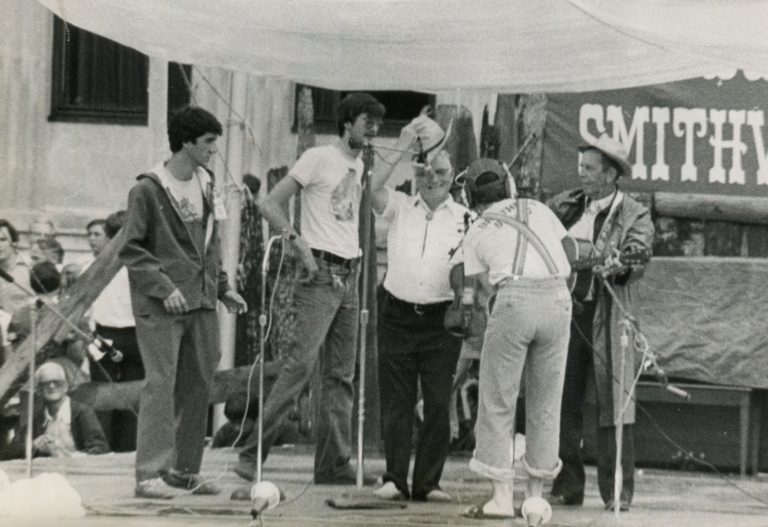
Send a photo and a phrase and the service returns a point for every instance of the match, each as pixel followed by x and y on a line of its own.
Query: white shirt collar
pixel 64 415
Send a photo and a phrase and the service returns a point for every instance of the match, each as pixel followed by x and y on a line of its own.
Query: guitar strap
pixel 527 235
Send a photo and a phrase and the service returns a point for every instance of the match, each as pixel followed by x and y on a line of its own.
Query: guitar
pixel 580 256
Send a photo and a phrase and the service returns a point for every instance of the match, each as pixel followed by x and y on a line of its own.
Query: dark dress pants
pixel 579 367
pixel 414 346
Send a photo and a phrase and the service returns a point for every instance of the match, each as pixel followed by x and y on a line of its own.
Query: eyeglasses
pixel 54 384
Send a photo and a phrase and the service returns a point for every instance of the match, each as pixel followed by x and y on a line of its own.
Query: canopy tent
pixel 512 46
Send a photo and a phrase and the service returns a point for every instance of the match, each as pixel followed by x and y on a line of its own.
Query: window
pixel 96 80
pixel 402 106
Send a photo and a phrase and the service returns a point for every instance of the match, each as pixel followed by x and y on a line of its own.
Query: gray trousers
pixel 527 328
pixel 180 355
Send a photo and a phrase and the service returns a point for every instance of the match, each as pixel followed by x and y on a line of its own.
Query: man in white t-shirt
pixel 527 331
pixel 327 304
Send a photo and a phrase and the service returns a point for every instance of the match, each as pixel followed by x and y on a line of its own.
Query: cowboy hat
pixel 613 149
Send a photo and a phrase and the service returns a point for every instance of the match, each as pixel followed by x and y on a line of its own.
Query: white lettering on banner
pixel 614 115
pixel 756 121
pixel 689 117
pixel 690 124
pixel 717 173
pixel 660 169
pixel 591 112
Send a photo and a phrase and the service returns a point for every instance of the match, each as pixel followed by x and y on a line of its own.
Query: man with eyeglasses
pixel 61 426
pixel 413 344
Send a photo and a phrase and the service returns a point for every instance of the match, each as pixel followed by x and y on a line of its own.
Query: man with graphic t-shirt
pixel 172 255
pixel 327 304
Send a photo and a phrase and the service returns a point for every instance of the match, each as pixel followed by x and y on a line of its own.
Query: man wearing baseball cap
pixel 515 245
pixel 614 224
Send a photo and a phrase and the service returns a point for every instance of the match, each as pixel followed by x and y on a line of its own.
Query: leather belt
pixel 419 309
pixel 334 258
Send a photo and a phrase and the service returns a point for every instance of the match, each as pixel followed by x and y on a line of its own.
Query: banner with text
pixel 703 136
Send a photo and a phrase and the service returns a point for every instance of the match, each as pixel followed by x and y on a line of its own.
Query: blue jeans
pixel 528 327
pixel 327 311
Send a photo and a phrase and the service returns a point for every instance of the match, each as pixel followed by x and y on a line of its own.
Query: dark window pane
pixel 97 80
pixel 402 106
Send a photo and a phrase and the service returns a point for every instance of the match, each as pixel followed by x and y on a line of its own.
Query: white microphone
pixel 264 495
pixel 536 511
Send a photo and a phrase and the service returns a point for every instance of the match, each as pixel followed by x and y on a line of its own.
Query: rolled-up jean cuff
pixel 494 473
pixel 543 474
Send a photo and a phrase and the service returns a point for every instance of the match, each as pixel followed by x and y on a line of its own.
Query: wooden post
pixel 87 288
pixel 742 209
pixel 230 240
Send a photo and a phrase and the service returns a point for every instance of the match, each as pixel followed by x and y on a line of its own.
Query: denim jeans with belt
pixel 327 311
pixel 528 327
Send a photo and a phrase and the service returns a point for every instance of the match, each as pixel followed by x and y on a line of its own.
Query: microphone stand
pixel 31 400
pixel 263 338
pixel 365 213
pixel 629 326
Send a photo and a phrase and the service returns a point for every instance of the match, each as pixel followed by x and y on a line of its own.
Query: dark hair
pixel 114 223
pixel 353 105
pixel 49 244
pixel 94 223
pixel 11 230
pixel 44 278
pixel 190 123
pixel 490 188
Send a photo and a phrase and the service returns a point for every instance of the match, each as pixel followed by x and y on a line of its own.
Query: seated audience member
pixel 40 228
pixel 71 351
pixel 61 427
pixel 11 296
pixel 113 318
pixel 47 249
pixel 69 274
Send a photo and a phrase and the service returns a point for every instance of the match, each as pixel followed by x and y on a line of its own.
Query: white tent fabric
pixel 514 46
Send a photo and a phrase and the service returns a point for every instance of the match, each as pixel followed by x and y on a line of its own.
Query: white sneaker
pixel 155 489
pixel 389 491
pixel 439 496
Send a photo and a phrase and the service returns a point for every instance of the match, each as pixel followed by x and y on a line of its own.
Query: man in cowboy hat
pixel 600 213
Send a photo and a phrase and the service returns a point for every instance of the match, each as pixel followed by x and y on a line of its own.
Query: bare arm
pixel 274 209
pixel 383 169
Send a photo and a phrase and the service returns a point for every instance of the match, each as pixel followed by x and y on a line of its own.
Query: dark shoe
pixel 245 470
pixel 345 475
pixel 558 498
pixel 193 483
pixel 477 513
pixel 623 506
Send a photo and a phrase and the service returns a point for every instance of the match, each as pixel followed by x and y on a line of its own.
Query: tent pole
pixel 230 185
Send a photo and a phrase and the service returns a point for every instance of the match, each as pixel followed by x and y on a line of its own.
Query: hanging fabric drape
pixel 511 46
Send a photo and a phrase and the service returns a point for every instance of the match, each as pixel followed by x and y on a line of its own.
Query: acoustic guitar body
pixel 578 250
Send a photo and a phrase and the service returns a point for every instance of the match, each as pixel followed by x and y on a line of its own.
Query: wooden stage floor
pixel 105 483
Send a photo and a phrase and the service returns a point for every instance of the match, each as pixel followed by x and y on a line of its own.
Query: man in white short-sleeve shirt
pixel 415 349
pixel 326 298
pixel 527 332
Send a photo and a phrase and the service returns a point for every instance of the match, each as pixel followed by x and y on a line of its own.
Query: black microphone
pixel 5 275
pixel 115 355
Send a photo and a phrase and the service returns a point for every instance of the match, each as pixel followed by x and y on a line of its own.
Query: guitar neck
pixel 636 257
